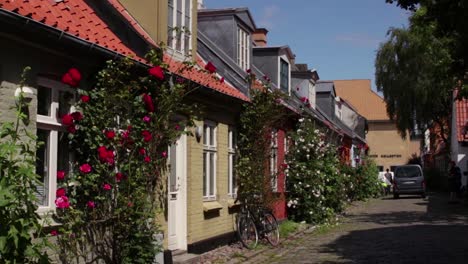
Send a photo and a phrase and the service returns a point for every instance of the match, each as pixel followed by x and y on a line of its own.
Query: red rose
pixel 60 192
pixel 105 155
pixel 71 129
pixel 164 154
pixel 91 204
pixel 77 116
pixel 146 135
pixel 85 168
pixel 142 151
pixel 60 175
pixel 106 187
pixel 54 233
pixel 157 72
pixel 221 80
pixel 62 202
pixel 147 159
pixel 68 79
pixel 119 176
pixel 85 98
pixel 148 102
pixel 304 99
pixel 248 70
pixel 110 134
pixel 210 67
pixel 101 149
pixel 67 120
pixel 75 74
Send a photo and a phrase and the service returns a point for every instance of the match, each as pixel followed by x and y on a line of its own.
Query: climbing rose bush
pixel 316 188
pixel 123 126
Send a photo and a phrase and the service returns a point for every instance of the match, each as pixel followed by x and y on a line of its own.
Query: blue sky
pixel 339 38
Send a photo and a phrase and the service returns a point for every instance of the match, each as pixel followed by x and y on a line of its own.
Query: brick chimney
pixel 260 37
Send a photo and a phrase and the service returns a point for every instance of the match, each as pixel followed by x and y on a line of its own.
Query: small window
pixel 179 27
pixel 284 76
pixel 243 49
pixel 209 160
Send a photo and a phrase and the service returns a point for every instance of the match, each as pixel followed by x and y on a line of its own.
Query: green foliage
pixel 367 180
pixel 413 69
pixel 288 227
pixel 128 124
pixel 19 221
pixel 257 120
pixel 317 189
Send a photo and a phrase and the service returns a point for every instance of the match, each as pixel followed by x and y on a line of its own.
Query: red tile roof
pixel 78 19
pixel 462 119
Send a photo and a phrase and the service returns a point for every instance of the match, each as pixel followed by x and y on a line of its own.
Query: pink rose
pixel 60 192
pixel 67 120
pixel 147 137
pixel 60 175
pixel 142 151
pixel 125 134
pixel 164 154
pixel 110 134
pixel 106 187
pixel 90 204
pixel 177 127
pixel 85 168
pixel 157 72
pixel 146 119
pixel 304 99
pixel 62 202
pixel 84 98
pixel 119 176
pixel 148 102
pixel 210 67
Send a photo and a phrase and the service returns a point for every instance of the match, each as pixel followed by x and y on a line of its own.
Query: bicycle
pixel 253 223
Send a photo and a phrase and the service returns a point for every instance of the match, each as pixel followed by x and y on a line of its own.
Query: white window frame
pixel 280 58
pixel 52 123
pixel 172 35
pixel 274 160
pixel 209 149
pixel 243 48
pixel 232 145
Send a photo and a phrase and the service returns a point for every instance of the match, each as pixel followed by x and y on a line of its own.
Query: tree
pixel 450 18
pixel 414 71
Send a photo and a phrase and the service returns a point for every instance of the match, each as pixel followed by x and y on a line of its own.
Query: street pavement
pixel 408 230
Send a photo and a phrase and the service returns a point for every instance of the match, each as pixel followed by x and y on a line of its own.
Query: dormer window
pixel 243 49
pixel 284 76
pixel 179 25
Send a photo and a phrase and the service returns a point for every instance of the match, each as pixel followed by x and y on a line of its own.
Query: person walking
pixel 454 181
pixel 388 175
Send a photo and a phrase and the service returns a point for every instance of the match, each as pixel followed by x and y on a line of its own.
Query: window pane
pixel 173 167
pixel 212 143
pixel 63 159
pixel 65 102
pixel 187 44
pixel 187 8
pixel 42 167
pixel 44 99
pixel 230 173
pixel 205 166
pixel 212 173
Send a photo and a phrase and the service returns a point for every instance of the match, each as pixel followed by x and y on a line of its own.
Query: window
pixel 274 160
pixel 209 160
pixel 179 26
pixel 53 155
pixel 232 144
pixel 284 76
pixel 243 49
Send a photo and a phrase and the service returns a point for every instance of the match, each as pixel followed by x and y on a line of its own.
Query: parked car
pixel 408 179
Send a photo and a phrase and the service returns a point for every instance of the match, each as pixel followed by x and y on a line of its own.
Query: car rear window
pixel 407 172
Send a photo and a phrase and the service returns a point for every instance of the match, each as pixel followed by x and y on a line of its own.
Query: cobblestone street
pixel 407 230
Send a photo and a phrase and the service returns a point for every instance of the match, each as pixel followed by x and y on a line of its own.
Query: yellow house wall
pixel 383 139
pixel 202 225
pixel 152 17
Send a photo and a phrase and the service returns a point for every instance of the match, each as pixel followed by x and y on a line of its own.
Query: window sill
pixel 211 206
pixel 232 203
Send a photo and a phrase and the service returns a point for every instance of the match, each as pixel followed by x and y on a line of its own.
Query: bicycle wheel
pixel 247 232
pixel 271 228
